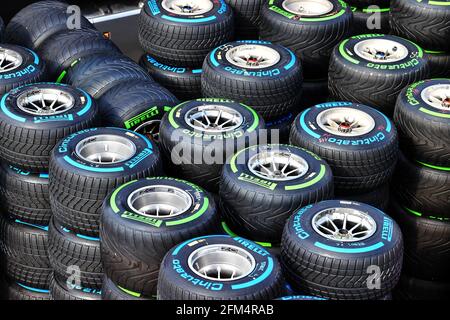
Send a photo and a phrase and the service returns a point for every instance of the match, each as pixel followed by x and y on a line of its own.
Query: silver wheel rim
pixel 9 60
pixel 308 8
pixel 253 56
pixel 188 7
pixel 159 201
pixel 45 101
pixel 437 96
pixel 278 165
pixel 214 118
pixel 347 122
pixel 381 50
pixel 221 262
pixel 149 129
pixel 344 224
pixel 105 148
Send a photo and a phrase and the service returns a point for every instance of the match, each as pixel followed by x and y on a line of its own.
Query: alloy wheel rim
pixel 251 56
pixel 46 101
pixel 347 122
pixel 105 149
pixel 221 262
pixel 381 50
pixel 344 224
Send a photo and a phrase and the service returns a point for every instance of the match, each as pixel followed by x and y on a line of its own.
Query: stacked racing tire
pixel 421 192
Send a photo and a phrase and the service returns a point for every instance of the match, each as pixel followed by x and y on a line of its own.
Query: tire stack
pixel 310 29
pixel 33 118
pixel 177 36
pixel 370 16
pixel 421 203
pixel 358 142
pixel 427 24
pixel 85 167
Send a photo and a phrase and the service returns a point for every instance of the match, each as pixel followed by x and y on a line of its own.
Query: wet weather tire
pixel 79 185
pixel 312 39
pixel 422 188
pixel 256 204
pixel 186 133
pixel 27 68
pixel 424 22
pixel 16 291
pixel 259 264
pixel 74 257
pixel 62 291
pixel 246 18
pixel 24 195
pixel 110 291
pixel 426 244
pixel 28 134
pixel 35 23
pixel 135 236
pixel 370 20
pixel 184 83
pixel 378 198
pixel 358 142
pixel 136 105
pixel 352 77
pixel 24 253
pixel 64 49
pixel 422 115
pixel 439 63
pixel 321 265
pixel 183 39
pixel 99 73
pixel 272 86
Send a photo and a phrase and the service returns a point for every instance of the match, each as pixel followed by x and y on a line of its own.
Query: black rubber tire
pixel 68 250
pixel 184 83
pixel 173 285
pixel 35 23
pixel 334 269
pixel 30 70
pixel 184 40
pixel 314 92
pixel 410 288
pixel 15 291
pixel 27 139
pixel 359 163
pixel 311 40
pixel 439 62
pixel 65 48
pixel 370 20
pixel 424 130
pixel 272 91
pixel 246 18
pixel 258 208
pixel 133 245
pixel 352 78
pixel 78 187
pixel 136 105
pixel 60 291
pixel 366 3
pixel 272 248
pixel 24 195
pixel 421 188
pixel 112 292
pixel 182 143
pixel 282 127
pixel 24 253
pixel 424 22
pixel 98 73
pixel 378 198
pixel 427 243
